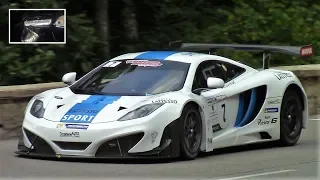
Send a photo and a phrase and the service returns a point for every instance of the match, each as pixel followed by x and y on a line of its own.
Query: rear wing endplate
pixel 301 51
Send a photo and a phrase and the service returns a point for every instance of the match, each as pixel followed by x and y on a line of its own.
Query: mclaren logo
pixel 69 134
pixel 282 75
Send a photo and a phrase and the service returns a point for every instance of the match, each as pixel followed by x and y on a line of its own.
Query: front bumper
pixel 140 139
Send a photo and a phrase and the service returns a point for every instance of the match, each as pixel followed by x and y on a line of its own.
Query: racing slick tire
pixel 291 116
pixel 190 132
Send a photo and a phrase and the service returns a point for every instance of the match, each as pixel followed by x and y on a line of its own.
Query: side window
pixel 207 69
pixel 199 80
pixel 212 68
pixel 231 71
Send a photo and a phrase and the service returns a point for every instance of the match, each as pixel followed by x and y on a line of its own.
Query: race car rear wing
pixel 301 51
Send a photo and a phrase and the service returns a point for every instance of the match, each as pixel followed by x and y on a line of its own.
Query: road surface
pixel 247 162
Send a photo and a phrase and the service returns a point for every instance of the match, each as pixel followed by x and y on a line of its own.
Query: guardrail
pixel 13 99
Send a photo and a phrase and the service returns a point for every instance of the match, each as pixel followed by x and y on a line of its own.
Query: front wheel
pixel 190 132
pixel 291 116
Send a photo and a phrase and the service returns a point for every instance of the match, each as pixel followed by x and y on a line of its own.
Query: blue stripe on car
pixel 240 110
pixel 158 55
pixel 87 110
pixel 251 107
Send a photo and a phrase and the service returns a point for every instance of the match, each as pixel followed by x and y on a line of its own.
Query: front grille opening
pixel 120 146
pixel 39 144
pixel 80 146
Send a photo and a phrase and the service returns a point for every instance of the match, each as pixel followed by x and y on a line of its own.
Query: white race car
pixel 162 104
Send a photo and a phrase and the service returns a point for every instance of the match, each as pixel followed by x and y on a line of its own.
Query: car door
pixel 221 108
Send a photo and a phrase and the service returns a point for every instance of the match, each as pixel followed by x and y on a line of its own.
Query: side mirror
pixel 69 78
pixel 214 83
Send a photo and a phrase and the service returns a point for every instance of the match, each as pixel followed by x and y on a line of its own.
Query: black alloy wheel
pixel 291 117
pixel 190 132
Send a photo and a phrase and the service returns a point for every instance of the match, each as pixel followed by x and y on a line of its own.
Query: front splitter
pixel 65 157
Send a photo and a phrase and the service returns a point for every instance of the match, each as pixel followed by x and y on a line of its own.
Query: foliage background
pixel 101 29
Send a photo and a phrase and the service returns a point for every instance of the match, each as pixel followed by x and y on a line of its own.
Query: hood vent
pixel 58 106
pixel 58 97
pixel 121 108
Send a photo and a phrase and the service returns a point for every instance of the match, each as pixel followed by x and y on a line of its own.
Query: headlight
pixel 37 109
pixel 140 112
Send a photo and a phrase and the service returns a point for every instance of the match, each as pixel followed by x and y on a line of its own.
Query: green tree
pixel 22 64
pixel 98 30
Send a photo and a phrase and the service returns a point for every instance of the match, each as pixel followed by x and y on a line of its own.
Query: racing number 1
pixel 224 112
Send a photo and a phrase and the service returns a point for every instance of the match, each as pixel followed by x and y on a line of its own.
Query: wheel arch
pixel 202 114
pixel 303 99
pixel 197 105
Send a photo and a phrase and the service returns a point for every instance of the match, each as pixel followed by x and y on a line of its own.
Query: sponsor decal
pixel 83 111
pixel 211 106
pixel 229 84
pixel 271 110
pixel 165 101
pixel 77 126
pixel 60 125
pixel 144 63
pixel 87 110
pixel 306 51
pixel 77 118
pixel 112 64
pixel 265 122
pixel 267 117
pixel 282 75
pixel 273 101
pixel 210 140
pixel 214 116
pixel 153 136
pixel 216 128
pixel 69 134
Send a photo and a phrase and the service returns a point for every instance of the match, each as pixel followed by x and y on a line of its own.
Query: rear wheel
pixel 291 116
pixel 190 132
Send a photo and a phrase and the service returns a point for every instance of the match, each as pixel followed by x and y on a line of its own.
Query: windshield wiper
pixel 94 92
pixel 78 90
pixel 87 91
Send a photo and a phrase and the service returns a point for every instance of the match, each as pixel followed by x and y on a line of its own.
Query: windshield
pixel 134 78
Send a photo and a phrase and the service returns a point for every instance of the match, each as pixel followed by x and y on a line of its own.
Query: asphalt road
pixel 246 162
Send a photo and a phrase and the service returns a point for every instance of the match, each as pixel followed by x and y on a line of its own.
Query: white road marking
pixel 260 174
pixel 314 119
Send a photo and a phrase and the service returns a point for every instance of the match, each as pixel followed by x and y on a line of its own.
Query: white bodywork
pixel 105 125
